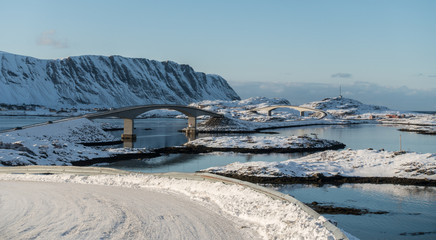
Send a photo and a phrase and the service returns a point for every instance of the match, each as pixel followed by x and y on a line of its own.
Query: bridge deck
pixel 298 108
pixel 133 112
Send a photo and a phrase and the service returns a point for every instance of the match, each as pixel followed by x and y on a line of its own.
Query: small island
pixel 257 144
pixel 337 167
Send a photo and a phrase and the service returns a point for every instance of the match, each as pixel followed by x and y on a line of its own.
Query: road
pixel 43 210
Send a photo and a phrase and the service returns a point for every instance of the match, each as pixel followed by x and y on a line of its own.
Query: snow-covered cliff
pixel 99 81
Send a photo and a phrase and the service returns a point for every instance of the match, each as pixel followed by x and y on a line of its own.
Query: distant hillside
pixel 344 106
pixel 99 81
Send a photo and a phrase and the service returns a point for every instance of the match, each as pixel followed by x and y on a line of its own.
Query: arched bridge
pixel 320 114
pixel 130 113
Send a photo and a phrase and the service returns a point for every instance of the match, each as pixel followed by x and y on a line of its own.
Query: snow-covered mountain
pixel 100 81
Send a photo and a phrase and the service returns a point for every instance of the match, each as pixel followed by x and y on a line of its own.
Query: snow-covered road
pixel 45 210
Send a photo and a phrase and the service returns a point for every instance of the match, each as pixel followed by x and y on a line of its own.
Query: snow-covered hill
pixel 344 106
pixel 99 81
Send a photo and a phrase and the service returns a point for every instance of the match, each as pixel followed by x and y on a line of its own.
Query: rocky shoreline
pixel 203 149
pixel 320 180
pixel 195 150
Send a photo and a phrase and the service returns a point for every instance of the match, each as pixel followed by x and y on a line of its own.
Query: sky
pixel 379 52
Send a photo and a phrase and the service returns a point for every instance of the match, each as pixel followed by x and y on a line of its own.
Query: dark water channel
pixel 411 209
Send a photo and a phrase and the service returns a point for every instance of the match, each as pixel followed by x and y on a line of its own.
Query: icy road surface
pixel 44 210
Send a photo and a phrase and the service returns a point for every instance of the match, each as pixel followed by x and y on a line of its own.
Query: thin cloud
pixel 49 38
pixel 342 75
pixel 426 75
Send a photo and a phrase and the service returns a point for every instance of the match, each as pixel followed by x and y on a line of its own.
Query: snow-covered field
pixel 262 142
pixel 146 206
pixel 52 144
pixel 357 163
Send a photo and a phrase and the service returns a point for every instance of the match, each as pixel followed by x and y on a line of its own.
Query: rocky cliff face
pixel 99 81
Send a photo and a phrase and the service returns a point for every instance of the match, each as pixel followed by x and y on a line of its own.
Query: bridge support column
pixel 192 124
pixel 302 113
pixel 269 113
pixel 128 144
pixel 128 130
pixel 191 135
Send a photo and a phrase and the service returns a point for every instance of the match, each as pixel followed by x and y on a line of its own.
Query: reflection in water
pixel 191 135
pixel 419 193
pixel 249 157
pixel 130 143
pixel 411 208
pixel 362 136
pixel 163 162
pixel 195 162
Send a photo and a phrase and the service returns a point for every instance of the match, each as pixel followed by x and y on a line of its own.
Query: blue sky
pixel 261 47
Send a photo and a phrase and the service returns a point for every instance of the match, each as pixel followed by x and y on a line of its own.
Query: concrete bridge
pixel 320 114
pixel 130 113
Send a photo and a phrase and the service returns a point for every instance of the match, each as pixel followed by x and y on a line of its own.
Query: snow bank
pixel 271 218
pixel 262 142
pixel 357 163
pixel 52 144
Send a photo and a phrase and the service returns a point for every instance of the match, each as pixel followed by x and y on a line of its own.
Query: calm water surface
pixel 412 210
pixel 361 136
pixel 9 122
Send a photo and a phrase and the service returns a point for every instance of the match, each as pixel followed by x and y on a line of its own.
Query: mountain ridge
pixel 101 81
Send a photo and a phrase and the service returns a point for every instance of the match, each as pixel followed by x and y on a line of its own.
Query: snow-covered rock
pixel 263 142
pixel 99 81
pixel 52 144
pixel 347 163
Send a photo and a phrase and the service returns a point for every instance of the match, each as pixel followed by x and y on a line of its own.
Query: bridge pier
pixel 128 130
pixel 192 124
pixel 269 113
pixel 128 144
pixel 191 135
pixel 302 114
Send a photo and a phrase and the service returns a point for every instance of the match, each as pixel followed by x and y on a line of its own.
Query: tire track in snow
pixel 40 210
